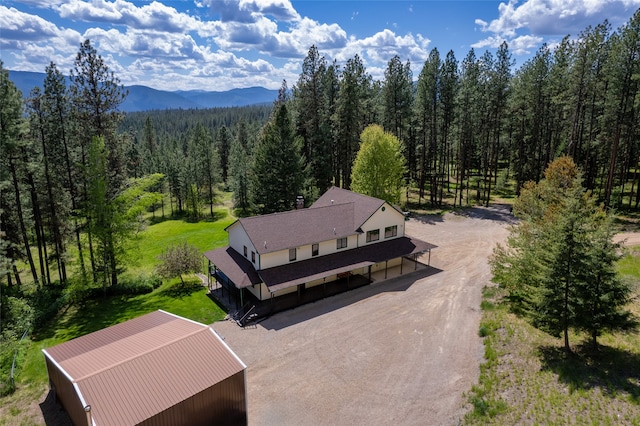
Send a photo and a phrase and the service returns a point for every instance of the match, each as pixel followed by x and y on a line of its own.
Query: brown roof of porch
pixel 241 271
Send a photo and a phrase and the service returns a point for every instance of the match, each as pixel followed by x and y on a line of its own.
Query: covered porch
pixel 264 308
pixel 233 280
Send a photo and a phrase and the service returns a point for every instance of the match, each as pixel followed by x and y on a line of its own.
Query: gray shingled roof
pixel 337 213
pixel 365 206
pixel 243 274
pixel 296 228
pixel 295 273
pixel 235 266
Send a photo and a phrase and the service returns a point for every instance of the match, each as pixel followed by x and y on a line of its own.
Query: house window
pixel 342 242
pixel 245 251
pixel 315 249
pixel 292 255
pixel 373 235
pixel 390 231
pixel 253 256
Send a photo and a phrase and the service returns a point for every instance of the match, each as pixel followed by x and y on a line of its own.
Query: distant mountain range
pixel 143 98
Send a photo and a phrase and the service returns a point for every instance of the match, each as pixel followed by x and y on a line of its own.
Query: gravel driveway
pixel 402 351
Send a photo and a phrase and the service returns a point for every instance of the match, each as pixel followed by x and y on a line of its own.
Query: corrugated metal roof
pixel 139 368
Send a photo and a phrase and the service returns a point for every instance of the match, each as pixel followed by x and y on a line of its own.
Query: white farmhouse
pixel 329 247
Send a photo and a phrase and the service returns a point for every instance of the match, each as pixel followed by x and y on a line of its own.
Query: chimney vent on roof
pixel 265 244
pixel 299 202
pixel 331 201
pixel 334 231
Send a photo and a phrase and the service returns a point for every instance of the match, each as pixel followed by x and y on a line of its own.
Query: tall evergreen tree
pixel 468 112
pixel 564 240
pixel 13 218
pixel 96 95
pixel 224 146
pixel 312 120
pixel 239 169
pixel 278 172
pixel 348 120
pixel 427 109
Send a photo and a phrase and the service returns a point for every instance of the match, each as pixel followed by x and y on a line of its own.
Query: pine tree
pixel 278 174
pixel 312 121
pixel 559 263
pixel 224 146
pixel 96 95
pixel 348 120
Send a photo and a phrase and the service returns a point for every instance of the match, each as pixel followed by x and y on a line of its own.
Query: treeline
pixel 76 175
pixel 467 127
pixel 471 125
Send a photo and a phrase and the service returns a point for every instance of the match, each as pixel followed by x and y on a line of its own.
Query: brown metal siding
pixel 222 404
pixel 140 388
pixel 186 360
pixel 66 394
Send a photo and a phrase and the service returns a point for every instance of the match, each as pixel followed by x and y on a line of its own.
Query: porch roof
pixel 243 274
pixel 235 266
pixel 295 273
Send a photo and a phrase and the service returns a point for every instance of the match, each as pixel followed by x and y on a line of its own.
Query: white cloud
pixel 155 15
pixel 554 17
pixel 384 45
pixel 17 25
pixel 525 25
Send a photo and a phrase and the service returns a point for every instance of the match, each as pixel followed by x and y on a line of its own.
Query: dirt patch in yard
pixel 401 351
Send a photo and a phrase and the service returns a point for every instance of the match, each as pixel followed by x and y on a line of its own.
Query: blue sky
pixel 224 44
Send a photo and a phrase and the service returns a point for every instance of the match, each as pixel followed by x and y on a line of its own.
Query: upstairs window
pixel 292 255
pixel 315 249
pixel 245 251
pixel 373 235
pixel 341 243
pixel 253 256
pixel 391 231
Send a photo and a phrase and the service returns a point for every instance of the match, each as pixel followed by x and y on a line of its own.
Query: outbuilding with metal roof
pixel 157 369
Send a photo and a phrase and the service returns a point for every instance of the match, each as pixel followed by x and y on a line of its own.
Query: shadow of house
pixel 299 313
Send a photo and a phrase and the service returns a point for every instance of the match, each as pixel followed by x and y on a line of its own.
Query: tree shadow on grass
pixel 611 369
pixel 180 290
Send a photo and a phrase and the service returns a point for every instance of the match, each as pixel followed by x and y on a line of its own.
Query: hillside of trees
pixel 77 175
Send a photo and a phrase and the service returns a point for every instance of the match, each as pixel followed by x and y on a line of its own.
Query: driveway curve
pixel 401 351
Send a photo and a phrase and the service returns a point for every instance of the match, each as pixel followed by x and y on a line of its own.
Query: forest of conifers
pixel 76 175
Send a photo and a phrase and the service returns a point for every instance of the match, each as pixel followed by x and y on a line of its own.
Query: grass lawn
pixel 527 379
pixel 189 300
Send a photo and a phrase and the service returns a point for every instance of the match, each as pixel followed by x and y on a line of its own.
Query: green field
pixel 189 300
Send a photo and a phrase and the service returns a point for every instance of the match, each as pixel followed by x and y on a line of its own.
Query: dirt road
pixel 401 351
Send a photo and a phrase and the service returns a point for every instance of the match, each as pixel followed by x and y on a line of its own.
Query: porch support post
pixel 401 263
pixel 386 264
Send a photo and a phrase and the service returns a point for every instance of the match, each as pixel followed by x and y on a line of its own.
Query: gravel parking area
pixel 401 351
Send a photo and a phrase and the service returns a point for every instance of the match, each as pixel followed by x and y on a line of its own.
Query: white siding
pixel 380 220
pixel 238 239
pixel 277 258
